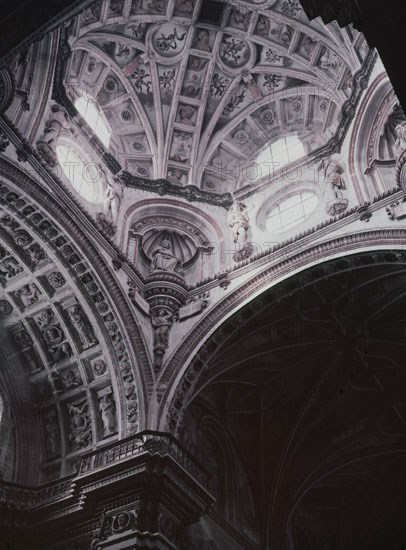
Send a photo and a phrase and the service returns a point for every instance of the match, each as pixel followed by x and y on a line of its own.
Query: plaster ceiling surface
pixel 194 91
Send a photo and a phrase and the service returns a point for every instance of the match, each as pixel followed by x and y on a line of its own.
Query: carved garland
pixel 71 256
pixel 179 400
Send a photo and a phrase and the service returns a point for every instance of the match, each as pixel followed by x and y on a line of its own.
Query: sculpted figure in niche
pixel 161 323
pixel 163 259
pixel 107 408
pixel 239 222
pixel 332 172
pixel 82 327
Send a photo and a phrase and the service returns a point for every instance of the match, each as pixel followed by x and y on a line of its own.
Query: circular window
pixel 291 212
pixel 83 175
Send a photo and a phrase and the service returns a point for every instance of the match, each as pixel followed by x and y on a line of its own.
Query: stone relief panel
pixel 55 340
pixel 80 428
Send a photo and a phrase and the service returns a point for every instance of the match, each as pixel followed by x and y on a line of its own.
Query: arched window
pixel 279 153
pixel 82 174
pixel 88 109
pixel 291 212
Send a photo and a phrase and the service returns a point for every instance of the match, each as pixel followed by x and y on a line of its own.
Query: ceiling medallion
pixel 267 116
pixel 110 85
pixel 241 137
pixel 169 40
pixel 219 162
pixel 138 146
pixel 126 115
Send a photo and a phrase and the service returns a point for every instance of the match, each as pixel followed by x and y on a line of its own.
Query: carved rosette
pixel 165 292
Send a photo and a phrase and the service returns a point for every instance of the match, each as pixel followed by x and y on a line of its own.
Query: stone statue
pixel 400 143
pixel 82 327
pixel 163 259
pixel 332 172
pixel 239 222
pixel 161 323
pixel 107 408
pixel 58 121
pixel 112 199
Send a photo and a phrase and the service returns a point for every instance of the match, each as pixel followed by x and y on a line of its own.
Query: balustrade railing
pixel 148 442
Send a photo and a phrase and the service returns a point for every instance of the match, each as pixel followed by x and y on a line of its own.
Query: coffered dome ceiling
pixel 193 92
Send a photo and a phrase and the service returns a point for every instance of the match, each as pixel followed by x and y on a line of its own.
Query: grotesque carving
pixel 70 378
pixel 107 409
pixel 163 259
pixel 80 428
pixel 28 295
pixel 82 327
pixel 56 279
pixel 9 268
pixel 53 335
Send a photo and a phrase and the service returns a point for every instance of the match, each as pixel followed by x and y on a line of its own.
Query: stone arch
pixel 44 248
pixel 179 376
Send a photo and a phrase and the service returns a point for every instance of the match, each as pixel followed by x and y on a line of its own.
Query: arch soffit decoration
pixel 181 374
pixel 43 217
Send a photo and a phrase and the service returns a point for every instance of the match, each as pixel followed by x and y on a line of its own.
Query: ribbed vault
pixel 306 384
